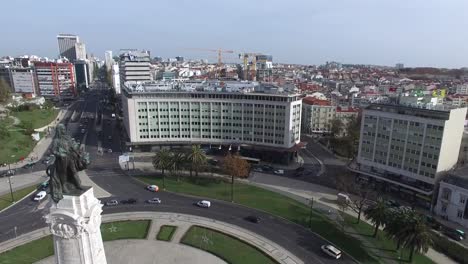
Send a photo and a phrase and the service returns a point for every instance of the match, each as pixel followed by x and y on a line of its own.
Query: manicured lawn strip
pixel 137 229
pixel 228 248
pixel 270 202
pixel 17 144
pixel 383 243
pixel 5 200
pixel 30 252
pixel 166 232
pixel 38 117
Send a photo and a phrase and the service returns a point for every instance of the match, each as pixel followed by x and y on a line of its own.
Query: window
pixel 459 214
pixel 444 208
pixel 446 193
pixel 462 199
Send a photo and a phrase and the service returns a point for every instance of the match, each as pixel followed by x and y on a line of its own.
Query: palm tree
pixel 162 161
pixel 196 158
pixel 415 234
pixel 377 214
pixel 178 161
pixel 396 219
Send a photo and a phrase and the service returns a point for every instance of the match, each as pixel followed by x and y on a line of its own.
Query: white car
pixel 279 172
pixel 152 188
pixel 154 201
pixel 331 251
pixel 112 203
pixel 204 204
pixel 39 196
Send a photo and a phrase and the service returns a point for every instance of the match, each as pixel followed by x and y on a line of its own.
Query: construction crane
pixel 245 56
pixel 219 51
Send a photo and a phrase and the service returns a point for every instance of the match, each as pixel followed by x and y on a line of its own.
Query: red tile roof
pixel 314 101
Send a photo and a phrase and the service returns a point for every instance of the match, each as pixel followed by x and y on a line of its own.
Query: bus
pixel 251 160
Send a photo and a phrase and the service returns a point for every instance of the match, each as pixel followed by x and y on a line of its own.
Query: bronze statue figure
pixel 66 161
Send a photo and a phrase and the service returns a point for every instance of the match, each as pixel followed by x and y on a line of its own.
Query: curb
pixel 260 210
pixel 13 204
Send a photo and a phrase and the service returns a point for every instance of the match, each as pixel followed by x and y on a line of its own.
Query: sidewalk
pixel 42 146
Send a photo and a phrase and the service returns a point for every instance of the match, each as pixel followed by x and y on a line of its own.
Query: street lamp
pixel 9 181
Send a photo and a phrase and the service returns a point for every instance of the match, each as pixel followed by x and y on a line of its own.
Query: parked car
pixel 258 169
pixel 267 168
pixel 112 203
pixel 29 165
pixel 203 203
pixel 331 251
pixel 129 201
pixel 39 196
pixel 8 173
pixel 279 172
pixel 154 201
pixel 253 219
pixel 453 235
pixel 152 188
pixel 43 186
pixel 47 160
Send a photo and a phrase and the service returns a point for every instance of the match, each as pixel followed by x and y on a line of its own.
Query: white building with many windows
pixel 408 148
pixel 212 112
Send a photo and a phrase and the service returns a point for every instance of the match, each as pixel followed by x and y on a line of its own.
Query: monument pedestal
pixel 75 225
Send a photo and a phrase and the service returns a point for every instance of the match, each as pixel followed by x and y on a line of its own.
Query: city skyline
pixel 300 32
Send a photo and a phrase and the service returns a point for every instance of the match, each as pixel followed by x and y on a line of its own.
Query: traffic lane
pixel 299 241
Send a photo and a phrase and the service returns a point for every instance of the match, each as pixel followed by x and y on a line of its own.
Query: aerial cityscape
pixel 141 147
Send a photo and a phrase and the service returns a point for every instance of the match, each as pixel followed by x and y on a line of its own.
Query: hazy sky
pixel 415 32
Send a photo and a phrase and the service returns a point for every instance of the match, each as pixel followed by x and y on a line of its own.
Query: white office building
pixel 115 78
pixel 134 67
pixel 195 112
pixel 67 47
pixel 406 148
pixel 108 60
pixel 23 80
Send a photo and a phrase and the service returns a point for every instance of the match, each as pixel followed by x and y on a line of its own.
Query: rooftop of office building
pixel 207 86
pixel 458 177
pixel 411 111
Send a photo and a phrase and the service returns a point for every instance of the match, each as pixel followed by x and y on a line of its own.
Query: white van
pixel 204 204
pixel 331 251
pixel 39 196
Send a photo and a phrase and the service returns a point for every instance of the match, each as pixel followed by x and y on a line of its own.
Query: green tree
pixel 4 132
pixel 415 234
pixel 178 161
pixel 5 91
pixel 162 161
pixel 28 127
pixel 336 127
pixel 377 214
pixel 235 167
pixel 196 158
pixel 396 219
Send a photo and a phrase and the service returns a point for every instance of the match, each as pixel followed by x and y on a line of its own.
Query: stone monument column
pixel 75 225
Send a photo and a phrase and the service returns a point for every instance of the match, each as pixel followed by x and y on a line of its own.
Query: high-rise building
pixel 23 81
pixel 116 78
pixel 67 46
pixel 264 67
pixel 408 148
pixel 399 66
pixel 56 79
pixel 108 59
pixel 82 74
pixel 134 67
pixel 80 51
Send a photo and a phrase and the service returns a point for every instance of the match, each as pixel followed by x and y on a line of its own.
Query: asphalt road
pixel 26 216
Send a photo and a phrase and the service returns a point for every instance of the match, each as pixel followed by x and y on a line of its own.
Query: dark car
pixel 453 235
pixel 29 165
pixel 393 203
pixel 253 219
pixel 7 173
pixel 129 201
pixel 267 168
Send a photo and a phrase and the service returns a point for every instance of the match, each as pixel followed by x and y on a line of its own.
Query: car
pixel 331 251
pixel 129 201
pixel 47 160
pixel 39 196
pixel 109 150
pixel 154 201
pixel 43 186
pixel 203 204
pixel 29 165
pixel 112 203
pixel 258 169
pixel 267 168
pixel 8 173
pixel 152 188
pixel 253 219
pixel 279 172
pixel 453 235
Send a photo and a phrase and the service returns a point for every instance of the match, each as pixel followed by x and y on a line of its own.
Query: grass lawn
pixel 30 252
pixel 38 117
pixel 270 202
pixel 5 200
pixel 228 248
pixel 125 230
pixel 166 232
pixel 382 243
pixel 17 144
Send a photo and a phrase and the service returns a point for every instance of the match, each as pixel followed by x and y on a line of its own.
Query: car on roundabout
pixel 39 196
pixel 154 201
pixel 331 251
pixel 152 188
pixel 203 204
pixel 129 201
pixel 253 219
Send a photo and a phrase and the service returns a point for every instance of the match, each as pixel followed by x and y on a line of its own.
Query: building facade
pixel 134 67
pixel 67 46
pixel 108 60
pixel 182 115
pixel 408 148
pixel 23 81
pixel 82 74
pixel 55 79
pixel 452 200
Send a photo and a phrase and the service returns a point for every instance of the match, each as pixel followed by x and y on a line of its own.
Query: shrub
pixel 451 249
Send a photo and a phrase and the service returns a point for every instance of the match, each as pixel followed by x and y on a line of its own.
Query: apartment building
pixel 452 200
pixel 23 81
pixel 407 148
pixel 56 79
pixel 224 113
